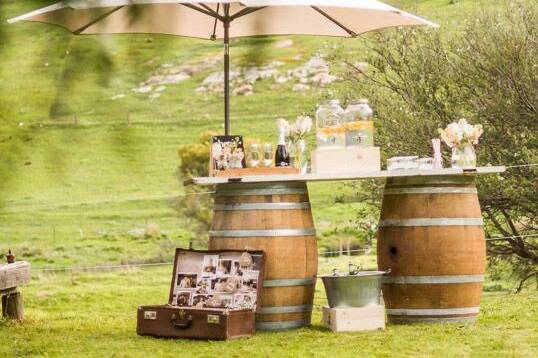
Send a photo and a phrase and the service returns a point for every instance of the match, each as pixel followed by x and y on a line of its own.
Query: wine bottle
pixel 282 156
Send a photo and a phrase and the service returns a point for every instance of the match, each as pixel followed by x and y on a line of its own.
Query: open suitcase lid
pixel 217 279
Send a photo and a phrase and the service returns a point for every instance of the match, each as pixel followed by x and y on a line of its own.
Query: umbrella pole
pixel 226 23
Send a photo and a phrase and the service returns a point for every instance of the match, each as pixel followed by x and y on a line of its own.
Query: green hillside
pixel 81 169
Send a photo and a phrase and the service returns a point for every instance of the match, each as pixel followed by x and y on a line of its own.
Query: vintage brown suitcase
pixel 213 295
pixel 204 323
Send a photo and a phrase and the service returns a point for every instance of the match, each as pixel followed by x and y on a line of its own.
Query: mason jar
pixel 329 128
pixel 358 123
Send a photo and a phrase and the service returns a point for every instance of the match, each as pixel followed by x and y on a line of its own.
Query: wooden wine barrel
pixel 275 218
pixel 431 237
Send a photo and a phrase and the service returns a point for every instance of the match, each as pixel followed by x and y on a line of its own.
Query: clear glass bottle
pixel 329 129
pixel 358 123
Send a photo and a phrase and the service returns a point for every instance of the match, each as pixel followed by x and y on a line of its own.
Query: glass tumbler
pixel 267 155
pixel 254 155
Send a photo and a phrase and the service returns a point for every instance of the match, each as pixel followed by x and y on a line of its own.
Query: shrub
pixel 197 204
pixel 419 81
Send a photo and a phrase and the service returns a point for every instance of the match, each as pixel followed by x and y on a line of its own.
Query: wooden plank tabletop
pixel 14 275
pixel 348 176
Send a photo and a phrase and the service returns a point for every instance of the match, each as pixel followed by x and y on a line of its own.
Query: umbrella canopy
pixel 224 19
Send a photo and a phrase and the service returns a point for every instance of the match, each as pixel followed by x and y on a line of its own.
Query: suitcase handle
pixel 181 324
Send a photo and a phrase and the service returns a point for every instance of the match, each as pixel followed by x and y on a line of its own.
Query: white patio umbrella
pixel 224 19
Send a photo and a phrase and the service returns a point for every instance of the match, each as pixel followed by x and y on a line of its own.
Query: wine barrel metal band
pixel 276 326
pixel 289 282
pixel 435 180
pixel 261 206
pixel 267 185
pixel 276 191
pixel 393 319
pixel 261 189
pixel 431 222
pixel 431 190
pixel 262 233
pixel 432 311
pixel 426 280
pixel 286 309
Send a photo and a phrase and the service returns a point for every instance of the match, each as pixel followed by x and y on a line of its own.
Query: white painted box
pixel 351 159
pixel 354 319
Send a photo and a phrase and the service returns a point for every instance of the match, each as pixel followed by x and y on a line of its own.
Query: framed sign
pixel 227 152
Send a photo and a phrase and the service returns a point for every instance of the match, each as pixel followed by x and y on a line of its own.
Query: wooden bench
pixel 11 277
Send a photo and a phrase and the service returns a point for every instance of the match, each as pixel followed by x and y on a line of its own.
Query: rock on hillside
pixel 313 73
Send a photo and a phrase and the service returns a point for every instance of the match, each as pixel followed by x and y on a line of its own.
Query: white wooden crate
pixel 354 319
pixel 345 159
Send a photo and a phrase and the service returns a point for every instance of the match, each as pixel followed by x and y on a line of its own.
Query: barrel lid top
pixel 313 177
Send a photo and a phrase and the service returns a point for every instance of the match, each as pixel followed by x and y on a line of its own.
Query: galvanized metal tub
pixel 358 290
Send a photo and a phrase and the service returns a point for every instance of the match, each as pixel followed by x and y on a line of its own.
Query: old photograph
pixel 236 269
pixel 226 284
pixel 203 286
pixel 200 300
pixel 186 280
pixel 183 298
pixel 220 301
pixel 224 268
pixel 249 285
pixel 244 301
pixel 210 265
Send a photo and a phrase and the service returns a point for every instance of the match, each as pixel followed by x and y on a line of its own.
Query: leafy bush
pixel 196 204
pixel 419 81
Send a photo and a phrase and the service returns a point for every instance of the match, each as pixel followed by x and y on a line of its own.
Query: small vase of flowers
pixel 461 136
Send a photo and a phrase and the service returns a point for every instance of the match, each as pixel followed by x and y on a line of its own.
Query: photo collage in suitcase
pixel 225 280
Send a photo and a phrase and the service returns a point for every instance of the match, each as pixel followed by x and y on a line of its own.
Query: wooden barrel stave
pixel 410 250
pixel 275 218
pixel 431 237
pixel 432 295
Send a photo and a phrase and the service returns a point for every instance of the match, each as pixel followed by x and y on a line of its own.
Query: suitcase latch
pixel 213 318
pixel 150 315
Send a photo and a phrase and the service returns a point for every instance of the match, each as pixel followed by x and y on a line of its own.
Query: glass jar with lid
pixel 358 123
pixel 329 128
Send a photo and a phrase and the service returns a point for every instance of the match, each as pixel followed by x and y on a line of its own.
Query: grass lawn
pixel 94 314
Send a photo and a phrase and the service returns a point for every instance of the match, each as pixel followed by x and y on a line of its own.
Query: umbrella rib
pixel 214 34
pixel 246 11
pixel 93 22
pixel 208 8
pixel 203 11
pixel 351 32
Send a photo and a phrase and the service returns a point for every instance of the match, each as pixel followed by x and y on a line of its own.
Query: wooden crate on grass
pixel 354 319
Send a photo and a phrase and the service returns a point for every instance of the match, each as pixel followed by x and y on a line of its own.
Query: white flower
pixel 454 131
pixel 303 124
pixel 461 132
pixel 466 128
